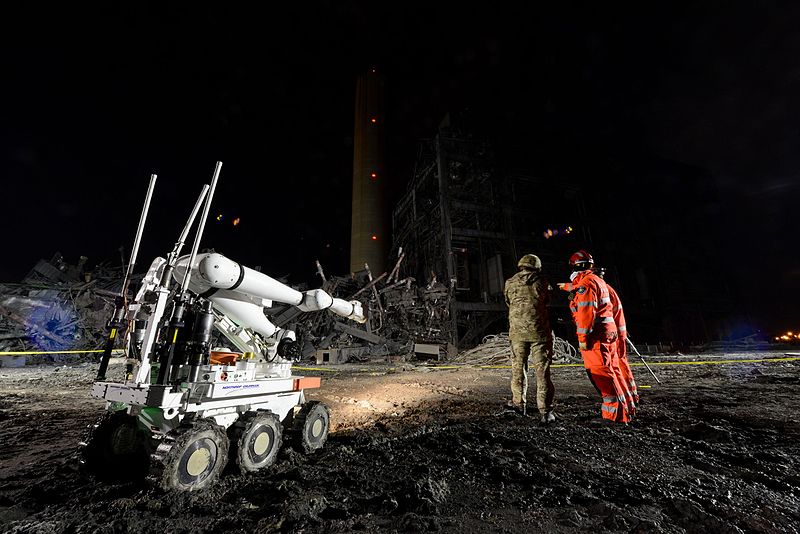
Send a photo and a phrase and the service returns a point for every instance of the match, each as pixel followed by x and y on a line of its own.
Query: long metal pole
pixel 394 272
pixel 642 358
pixel 120 302
pixel 444 208
pixel 200 228
pixel 176 250
pixel 138 239
pixel 190 222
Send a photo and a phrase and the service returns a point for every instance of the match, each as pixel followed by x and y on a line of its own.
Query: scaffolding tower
pixel 465 223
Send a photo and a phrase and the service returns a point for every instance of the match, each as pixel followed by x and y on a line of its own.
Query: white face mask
pixel 573 276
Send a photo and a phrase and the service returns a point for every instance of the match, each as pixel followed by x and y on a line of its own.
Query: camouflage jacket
pixel 527 296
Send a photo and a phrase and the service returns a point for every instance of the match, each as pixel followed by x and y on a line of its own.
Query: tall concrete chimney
pixel 369 235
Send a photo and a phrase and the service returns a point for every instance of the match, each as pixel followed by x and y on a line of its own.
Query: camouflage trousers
pixel 541 354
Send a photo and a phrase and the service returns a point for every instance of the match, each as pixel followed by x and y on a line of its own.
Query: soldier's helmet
pixel 530 261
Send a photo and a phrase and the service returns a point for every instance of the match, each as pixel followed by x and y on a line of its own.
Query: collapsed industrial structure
pixel 60 308
pixel 440 293
pixel 57 306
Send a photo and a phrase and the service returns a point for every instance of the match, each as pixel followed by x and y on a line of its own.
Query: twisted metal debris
pixel 57 306
pixel 496 350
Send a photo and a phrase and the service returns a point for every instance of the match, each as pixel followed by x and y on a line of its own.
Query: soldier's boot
pixel 514 407
pixel 547 418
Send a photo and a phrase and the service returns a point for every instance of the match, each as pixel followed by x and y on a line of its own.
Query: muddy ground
pixel 715 449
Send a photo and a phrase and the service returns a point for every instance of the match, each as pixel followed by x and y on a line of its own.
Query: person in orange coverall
pixel 622 346
pixel 597 338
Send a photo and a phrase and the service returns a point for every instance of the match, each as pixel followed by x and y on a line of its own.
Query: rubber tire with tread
pixel 305 438
pixel 189 437
pixel 117 448
pixel 246 430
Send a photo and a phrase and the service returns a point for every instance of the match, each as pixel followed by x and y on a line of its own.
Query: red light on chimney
pixel 373 120
pixel 374 238
pixel 373 176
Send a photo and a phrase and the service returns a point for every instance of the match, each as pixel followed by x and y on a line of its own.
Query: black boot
pixel 517 408
pixel 547 418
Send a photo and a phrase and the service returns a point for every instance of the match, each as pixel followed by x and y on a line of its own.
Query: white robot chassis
pixel 186 407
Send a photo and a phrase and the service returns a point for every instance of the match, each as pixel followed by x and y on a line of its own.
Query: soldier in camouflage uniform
pixel 527 295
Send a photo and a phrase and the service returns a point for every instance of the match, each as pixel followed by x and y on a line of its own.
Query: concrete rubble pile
pixel 57 307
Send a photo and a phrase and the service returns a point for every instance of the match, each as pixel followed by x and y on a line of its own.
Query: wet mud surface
pixel 715 449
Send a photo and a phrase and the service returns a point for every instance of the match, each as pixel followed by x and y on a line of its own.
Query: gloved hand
pixel 562 285
pixel 582 345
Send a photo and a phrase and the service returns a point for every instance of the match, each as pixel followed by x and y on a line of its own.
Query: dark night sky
pixel 96 98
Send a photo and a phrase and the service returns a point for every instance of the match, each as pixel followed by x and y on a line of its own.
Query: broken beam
pixel 361 334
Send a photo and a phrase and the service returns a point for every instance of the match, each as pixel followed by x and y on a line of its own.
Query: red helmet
pixel 581 260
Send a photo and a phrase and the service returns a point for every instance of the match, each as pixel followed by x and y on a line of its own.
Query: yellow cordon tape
pixel 704 362
pixel 316 369
pixel 29 352
pixel 717 362
pixel 334 370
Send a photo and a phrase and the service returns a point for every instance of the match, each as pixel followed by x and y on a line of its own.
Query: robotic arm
pixel 241 293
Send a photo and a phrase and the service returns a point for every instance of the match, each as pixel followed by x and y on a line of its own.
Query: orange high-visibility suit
pixel 622 348
pixel 597 336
